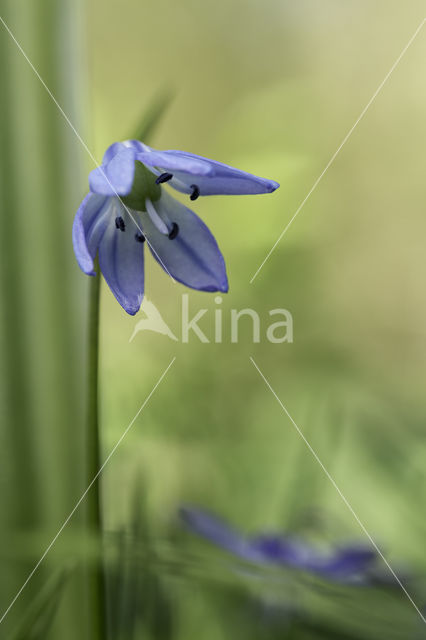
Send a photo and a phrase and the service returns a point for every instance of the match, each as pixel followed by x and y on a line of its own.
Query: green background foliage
pixel 272 87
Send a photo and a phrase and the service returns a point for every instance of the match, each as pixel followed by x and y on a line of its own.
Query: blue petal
pixel 210 176
pixel 89 226
pixel 174 161
pixel 115 177
pixel 343 565
pixel 136 145
pixel 280 550
pixel 121 260
pixel 112 151
pixel 348 565
pixel 347 562
pixel 193 257
pixel 264 549
pixel 213 529
pixel 116 147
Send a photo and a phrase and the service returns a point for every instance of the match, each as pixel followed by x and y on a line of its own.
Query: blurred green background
pixel 271 87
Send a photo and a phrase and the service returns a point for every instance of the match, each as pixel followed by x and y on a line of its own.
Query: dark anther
pixel 139 237
pixel 119 223
pixel 174 231
pixel 195 192
pixel 165 177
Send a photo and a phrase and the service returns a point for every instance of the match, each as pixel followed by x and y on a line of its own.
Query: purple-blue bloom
pixel 128 205
pixel 346 565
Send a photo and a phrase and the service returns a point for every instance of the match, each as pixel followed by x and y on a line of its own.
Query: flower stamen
pixel 119 223
pixel 157 221
pixel 164 177
pixel 174 231
pixel 195 192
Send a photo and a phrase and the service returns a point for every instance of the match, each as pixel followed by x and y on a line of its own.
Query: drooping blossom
pixel 128 207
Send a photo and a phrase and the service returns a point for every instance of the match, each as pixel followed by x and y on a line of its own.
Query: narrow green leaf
pixel 40 615
pixel 152 115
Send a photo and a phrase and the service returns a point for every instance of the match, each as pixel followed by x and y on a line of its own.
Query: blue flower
pixel 128 205
pixel 346 565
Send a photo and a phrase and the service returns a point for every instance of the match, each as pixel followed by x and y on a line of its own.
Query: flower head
pixel 128 207
pixel 346 564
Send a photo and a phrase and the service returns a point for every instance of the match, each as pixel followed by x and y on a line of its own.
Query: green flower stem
pixel 93 436
pixel 97 586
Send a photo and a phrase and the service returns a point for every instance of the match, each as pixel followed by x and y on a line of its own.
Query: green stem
pixel 97 587
pixel 93 436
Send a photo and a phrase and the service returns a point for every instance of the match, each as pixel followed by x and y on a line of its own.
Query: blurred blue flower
pixel 128 205
pixel 346 565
